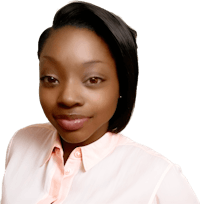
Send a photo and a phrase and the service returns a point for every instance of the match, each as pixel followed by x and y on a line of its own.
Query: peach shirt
pixel 113 169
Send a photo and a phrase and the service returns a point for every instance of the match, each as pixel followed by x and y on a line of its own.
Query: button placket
pixel 71 163
pixel 77 154
pixel 68 171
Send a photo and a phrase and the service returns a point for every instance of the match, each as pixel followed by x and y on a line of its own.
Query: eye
pixel 94 80
pixel 49 80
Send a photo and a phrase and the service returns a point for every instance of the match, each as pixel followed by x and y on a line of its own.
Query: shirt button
pixel 68 171
pixel 77 154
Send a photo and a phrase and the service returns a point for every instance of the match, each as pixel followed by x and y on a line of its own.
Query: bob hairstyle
pixel 121 40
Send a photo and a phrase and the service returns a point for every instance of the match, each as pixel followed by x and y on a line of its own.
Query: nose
pixel 70 95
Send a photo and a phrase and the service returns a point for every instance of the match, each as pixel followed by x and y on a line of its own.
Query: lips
pixel 71 122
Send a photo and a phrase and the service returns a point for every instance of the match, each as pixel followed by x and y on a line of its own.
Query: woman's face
pixel 79 87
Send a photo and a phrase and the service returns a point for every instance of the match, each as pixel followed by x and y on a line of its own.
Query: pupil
pixel 94 80
pixel 51 79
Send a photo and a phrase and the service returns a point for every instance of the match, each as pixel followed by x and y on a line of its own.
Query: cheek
pixel 106 102
pixel 46 101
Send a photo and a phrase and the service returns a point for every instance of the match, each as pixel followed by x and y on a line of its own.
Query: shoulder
pixel 129 145
pixel 32 133
pixel 32 137
pixel 141 157
pixel 36 129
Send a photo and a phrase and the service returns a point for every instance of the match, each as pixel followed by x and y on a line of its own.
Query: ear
pixel 120 96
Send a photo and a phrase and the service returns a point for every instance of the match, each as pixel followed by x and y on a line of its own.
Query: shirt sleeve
pixel 8 150
pixel 175 189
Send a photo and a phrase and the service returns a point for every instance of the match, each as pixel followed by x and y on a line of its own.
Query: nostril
pixel 70 94
pixel 67 105
pixel 69 101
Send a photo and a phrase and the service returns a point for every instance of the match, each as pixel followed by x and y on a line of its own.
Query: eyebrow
pixel 50 58
pixel 92 62
pixel 84 63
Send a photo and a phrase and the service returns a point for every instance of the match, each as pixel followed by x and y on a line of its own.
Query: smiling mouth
pixel 71 122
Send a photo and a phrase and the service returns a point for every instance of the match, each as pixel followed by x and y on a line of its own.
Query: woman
pixel 88 81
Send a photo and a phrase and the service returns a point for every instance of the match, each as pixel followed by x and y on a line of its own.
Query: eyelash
pixel 48 77
pixel 54 79
pixel 95 78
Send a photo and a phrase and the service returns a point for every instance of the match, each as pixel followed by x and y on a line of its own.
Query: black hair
pixel 121 40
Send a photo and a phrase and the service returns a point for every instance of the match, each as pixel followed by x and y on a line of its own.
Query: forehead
pixel 78 44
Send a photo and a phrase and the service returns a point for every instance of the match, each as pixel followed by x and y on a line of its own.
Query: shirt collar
pixel 91 154
pixel 98 150
pixel 52 141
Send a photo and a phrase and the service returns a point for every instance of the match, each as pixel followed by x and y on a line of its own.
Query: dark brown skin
pixel 84 82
